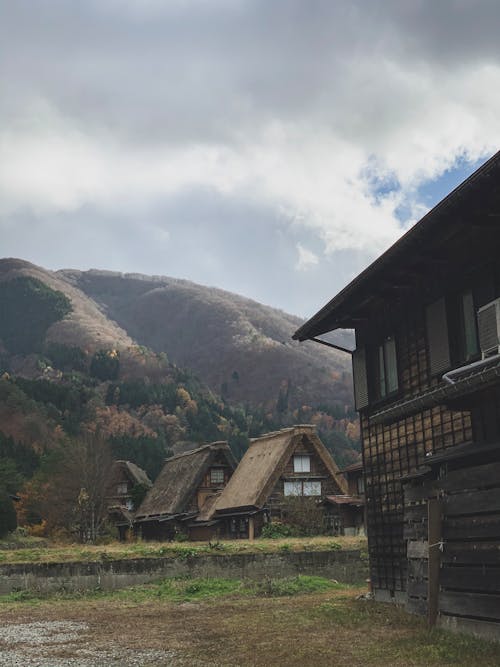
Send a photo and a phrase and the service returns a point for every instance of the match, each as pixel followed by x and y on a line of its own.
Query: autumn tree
pixel 70 491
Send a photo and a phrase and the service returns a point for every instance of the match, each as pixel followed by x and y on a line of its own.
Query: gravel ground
pixel 69 644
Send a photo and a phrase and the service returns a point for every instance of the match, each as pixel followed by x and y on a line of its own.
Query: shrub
pixel 275 530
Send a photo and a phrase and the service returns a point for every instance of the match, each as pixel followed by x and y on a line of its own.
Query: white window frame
pixel 311 488
pixel 301 463
pixel 292 488
pixel 216 476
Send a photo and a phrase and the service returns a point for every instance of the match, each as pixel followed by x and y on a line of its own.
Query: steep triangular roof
pixel 134 473
pixel 263 464
pixel 179 479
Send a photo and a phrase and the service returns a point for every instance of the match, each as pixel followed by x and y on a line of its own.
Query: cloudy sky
pixel 270 147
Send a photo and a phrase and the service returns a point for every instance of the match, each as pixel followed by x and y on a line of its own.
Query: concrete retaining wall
pixel 345 566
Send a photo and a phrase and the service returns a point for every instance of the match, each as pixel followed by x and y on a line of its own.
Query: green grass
pixel 185 589
pixel 120 550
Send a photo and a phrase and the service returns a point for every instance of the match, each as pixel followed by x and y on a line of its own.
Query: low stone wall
pixel 345 566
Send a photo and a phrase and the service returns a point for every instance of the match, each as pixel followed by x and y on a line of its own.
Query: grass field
pixel 43 553
pixel 299 622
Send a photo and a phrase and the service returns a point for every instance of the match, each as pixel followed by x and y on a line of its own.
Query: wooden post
pixel 434 562
pixel 251 528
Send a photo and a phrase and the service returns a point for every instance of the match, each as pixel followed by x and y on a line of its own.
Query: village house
pixel 184 491
pixel 127 486
pixel 346 512
pixel 277 471
pixel 427 387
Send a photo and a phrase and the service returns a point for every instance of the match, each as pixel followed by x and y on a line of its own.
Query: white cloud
pixel 303 109
pixel 306 259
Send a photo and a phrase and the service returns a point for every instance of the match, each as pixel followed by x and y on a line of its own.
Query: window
pixel 301 463
pixel 122 489
pixel 216 476
pixel 385 369
pixel 360 485
pixel 293 488
pixel 312 488
pixel 302 488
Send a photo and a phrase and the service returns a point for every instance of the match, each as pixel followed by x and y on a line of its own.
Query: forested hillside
pixel 77 389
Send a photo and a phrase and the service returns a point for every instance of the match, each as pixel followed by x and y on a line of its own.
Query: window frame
pixel 216 472
pixel 384 369
pixel 301 468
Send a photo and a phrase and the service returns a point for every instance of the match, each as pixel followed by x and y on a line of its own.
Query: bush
pixel 276 529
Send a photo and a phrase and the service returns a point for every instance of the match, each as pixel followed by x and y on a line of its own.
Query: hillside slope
pixel 241 349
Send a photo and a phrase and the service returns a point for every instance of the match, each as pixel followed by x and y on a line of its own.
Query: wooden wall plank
pixel 477 579
pixel 473 502
pixel 471 554
pixel 472 527
pixel 471 478
pixel 477 605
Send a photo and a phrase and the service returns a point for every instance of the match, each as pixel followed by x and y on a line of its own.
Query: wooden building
pixel 126 486
pixel 427 387
pixel 291 463
pixel 346 512
pixel 184 491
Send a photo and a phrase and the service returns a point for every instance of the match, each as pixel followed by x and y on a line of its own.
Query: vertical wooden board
pixel 434 510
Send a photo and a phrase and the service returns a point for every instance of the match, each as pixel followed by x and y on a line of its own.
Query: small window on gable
pixel 217 476
pixel 301 463
pixel 122 489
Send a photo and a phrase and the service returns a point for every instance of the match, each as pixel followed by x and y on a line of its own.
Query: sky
pixel 270 148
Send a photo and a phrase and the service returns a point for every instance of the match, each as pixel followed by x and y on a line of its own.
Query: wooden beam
pixel 434 522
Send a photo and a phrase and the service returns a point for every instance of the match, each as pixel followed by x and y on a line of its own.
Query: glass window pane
pixel 301 463
pixel 216 476
pixel 391 365
pixel 381 371
pixel 312 488
pixel 292 489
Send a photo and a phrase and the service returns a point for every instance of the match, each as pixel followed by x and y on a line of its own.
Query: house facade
pixel 346 512
pixel 127 485
pixel 285 472
pixel 427 387
pixel 184 491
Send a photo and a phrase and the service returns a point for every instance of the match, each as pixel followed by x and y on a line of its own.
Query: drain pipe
pixel 450 375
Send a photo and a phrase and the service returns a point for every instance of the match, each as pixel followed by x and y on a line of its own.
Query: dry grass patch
pixel 328 628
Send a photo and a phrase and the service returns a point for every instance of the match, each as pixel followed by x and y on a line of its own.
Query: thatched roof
pixel 134 473
pixel 179 479
pixel 263 464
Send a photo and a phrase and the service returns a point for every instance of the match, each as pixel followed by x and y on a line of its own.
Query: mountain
pixel 158 363
pixel 241 349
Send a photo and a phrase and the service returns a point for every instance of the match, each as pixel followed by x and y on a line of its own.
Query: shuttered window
pixel 360 378
pixel 437 337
